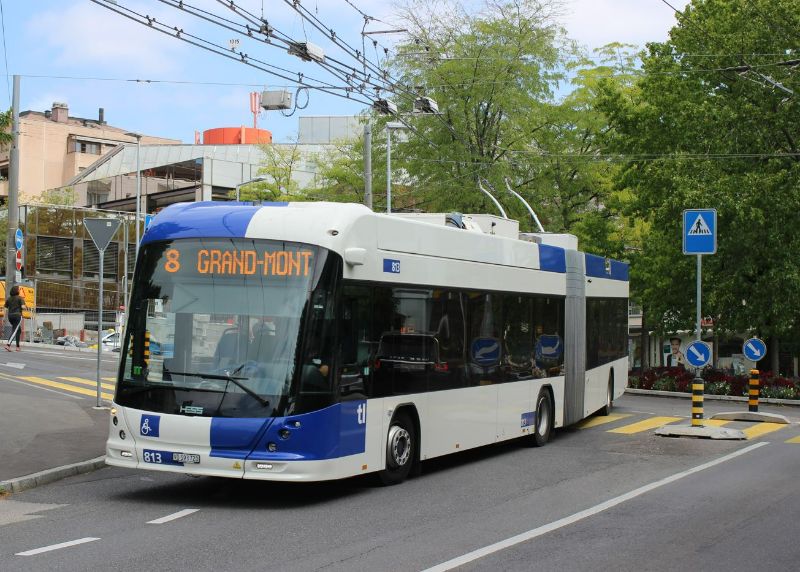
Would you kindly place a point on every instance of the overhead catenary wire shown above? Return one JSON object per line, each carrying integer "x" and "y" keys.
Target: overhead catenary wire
{"x": 235, "y": 55}
{"x": 5, "y": 51}
{"x": 342, "y": 70}
{"x": 766, "y": 79}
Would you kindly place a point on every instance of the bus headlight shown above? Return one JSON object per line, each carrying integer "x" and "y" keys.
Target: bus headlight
{"x": 272, "y": 447}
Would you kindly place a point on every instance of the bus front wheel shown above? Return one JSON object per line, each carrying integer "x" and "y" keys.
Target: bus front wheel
{"x": 544, "y": 419}
{"x": 606, "y": 409}
{"x": 400, "y": 443}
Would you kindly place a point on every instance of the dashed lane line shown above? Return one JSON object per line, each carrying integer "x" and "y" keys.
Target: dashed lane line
{"x": 601, "y": 420}
{"x": 174, "y": 516}
{"x": 762, "y": 429}
{"x": 66, "y": 387}
{"x": 90, "y": 382}
{"x": 645, "y": 425}
{"x": 58, "y": 546}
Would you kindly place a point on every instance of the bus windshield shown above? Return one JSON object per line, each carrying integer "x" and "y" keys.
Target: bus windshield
{"x": 216, "y": 328}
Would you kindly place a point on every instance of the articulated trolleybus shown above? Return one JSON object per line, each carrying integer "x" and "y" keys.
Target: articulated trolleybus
{"x": 315, "y": 341}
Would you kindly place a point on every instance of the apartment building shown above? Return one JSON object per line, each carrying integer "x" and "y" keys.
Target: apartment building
{"x": 55, "y": 147}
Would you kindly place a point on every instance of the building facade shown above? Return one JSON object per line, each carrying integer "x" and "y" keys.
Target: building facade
{"x": 55, "y": 147}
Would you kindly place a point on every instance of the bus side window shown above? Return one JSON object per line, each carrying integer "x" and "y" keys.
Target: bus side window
{"x": 355, "y": 345}
{"x": 447, "y": 326}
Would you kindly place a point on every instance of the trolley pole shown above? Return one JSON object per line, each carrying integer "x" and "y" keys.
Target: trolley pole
{"x": 13, "y": 190}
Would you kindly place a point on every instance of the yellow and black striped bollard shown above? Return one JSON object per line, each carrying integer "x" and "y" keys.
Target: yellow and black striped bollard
{"x": 752, "y": 402}
{"x": 697, "y": 402}
{"x": 147, "y": 349}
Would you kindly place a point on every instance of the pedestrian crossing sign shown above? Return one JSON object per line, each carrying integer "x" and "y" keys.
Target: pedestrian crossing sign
{"x": 700, "y": 231}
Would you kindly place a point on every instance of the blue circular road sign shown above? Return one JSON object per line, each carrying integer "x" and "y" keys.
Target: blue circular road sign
{"x": 698, "y": 354}
{"x": 18, "y": 239}
{"x": 754, "y": 349}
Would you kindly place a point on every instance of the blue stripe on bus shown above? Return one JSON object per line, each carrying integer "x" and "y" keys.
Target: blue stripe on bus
{"x": 336, "y": 431}
{"x": 234, "y": 438}
{"x": 200, "y": 220}
{"x": 596, "y": 267}
{"x": 552, "y": 258}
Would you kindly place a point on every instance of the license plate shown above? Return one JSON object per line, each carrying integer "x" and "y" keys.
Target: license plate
{"x": 169, "y": 458}
{"x": 411, "y": 367}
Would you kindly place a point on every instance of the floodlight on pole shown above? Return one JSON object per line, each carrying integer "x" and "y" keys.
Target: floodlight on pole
{"x": 253, "y": 180}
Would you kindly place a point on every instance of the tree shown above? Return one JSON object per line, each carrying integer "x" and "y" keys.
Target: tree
{"x": 495, "y": 75}
{"x": 280, "y": 165}
{"x": 62, "y": 196}
{"x": 713, "y": 123}
{"x": 6, "y": 137}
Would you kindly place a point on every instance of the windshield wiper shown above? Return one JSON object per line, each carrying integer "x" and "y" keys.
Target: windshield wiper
{"x": 237, "y": 381}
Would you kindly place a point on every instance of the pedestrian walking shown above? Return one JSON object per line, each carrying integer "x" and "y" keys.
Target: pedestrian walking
{"x": 14, "y": 304}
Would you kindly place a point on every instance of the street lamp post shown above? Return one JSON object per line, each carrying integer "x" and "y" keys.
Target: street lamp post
{"x": 253, "y": 180}
{"x": 389, "y": 127}
{"x": 138, "y": 186}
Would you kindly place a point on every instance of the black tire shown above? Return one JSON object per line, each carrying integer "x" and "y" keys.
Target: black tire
{"x": 401, "y": 443}
{"x": 544, "y": 419}
{"x": 606, "y": 409}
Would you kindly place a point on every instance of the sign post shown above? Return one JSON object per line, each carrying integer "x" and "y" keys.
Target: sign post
{"x": 101, "y": 230}
{"x": 699, "y": 238}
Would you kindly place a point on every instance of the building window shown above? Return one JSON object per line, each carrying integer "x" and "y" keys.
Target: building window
{"x": 91, "y": 260}
{"x": 54, "y": 255}
{"x": 87, "y": 147}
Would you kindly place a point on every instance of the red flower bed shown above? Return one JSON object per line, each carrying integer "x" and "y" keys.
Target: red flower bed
{"x": 716, "y": 382}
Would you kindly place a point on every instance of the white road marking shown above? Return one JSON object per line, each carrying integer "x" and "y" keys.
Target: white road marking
{"x": 88, "y": 354}
{"x": 57, "y": 546}
{"x": 14, "y": 365}
{"x": 174, "y": 516}
{"x": 40, "y": 387}
{"x": 566, "y": 521}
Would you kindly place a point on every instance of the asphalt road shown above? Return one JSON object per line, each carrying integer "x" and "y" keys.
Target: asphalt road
{"x": 591, "y": 499}
{"x": 46, "y": 391}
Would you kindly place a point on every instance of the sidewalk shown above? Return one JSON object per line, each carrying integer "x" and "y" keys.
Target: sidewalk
{"x": 43, "y": 428}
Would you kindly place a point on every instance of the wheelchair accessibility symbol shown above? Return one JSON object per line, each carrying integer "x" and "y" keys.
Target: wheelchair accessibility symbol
{"x": 149, "y": 425}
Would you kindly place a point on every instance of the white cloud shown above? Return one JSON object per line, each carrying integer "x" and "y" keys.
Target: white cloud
{"x": 595, "y": 23}
{"x": 86, "y": 35}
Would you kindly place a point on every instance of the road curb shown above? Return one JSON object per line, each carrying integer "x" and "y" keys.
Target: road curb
{"x": 656, "y": 393}
{"x": 47, "y": 476}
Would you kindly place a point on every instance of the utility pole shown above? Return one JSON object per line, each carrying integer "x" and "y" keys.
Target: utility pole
{"x": 368, "y": 164}
{"x": 13, "y": 191}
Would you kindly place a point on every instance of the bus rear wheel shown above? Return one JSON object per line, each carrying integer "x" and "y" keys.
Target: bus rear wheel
{"x": 544, "y": 419}
{"x": 401, "y": 442}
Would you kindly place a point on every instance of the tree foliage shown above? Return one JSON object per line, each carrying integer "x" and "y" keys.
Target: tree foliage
{"x": 713, "y": 122}
{"x": 279, "y": 168}
{"x": 498, "y": 75}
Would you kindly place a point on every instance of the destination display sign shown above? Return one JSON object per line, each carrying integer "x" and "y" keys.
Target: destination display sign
{"x": 248, "y": 259}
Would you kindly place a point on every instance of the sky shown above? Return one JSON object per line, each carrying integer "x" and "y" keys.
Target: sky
{"x": 66, "y": 42}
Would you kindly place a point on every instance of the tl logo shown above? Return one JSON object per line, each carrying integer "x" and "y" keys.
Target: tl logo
{"x": 362, "y": 413}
